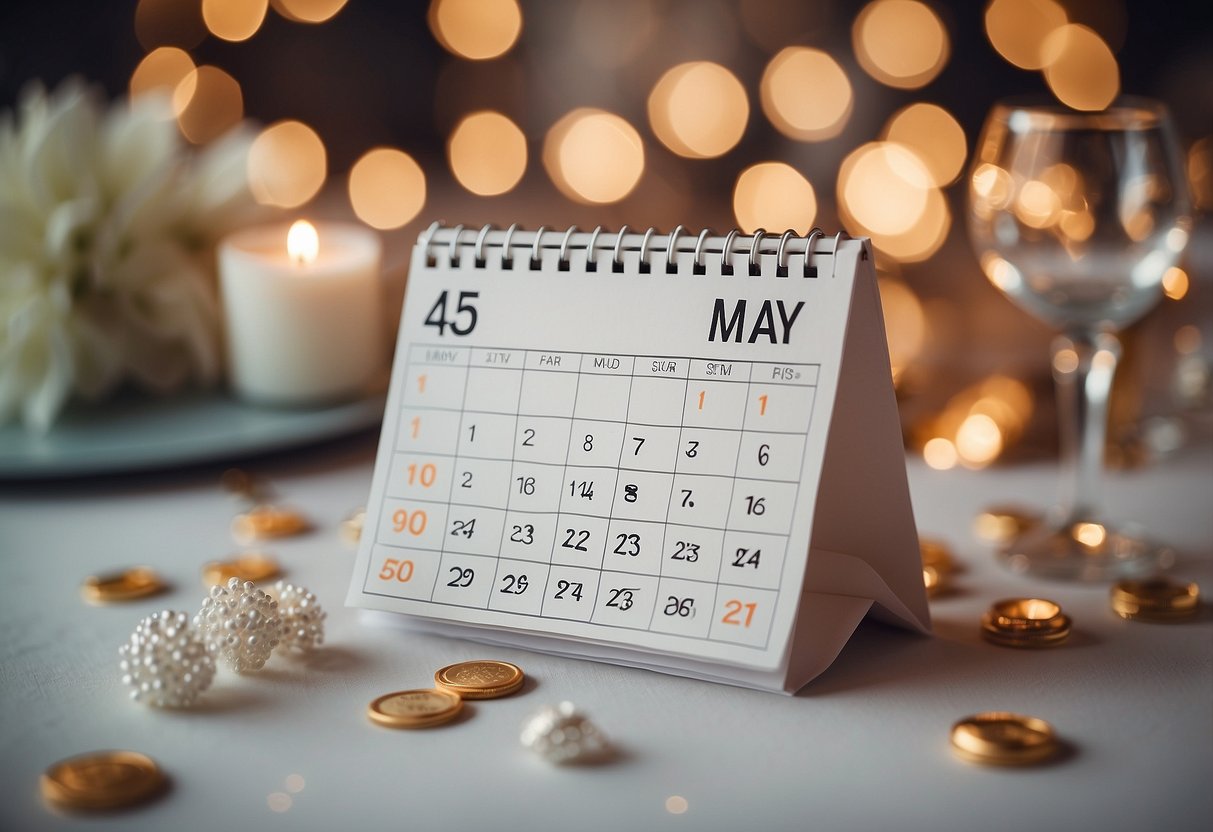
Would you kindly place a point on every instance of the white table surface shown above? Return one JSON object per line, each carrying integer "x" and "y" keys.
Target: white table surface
{"x": 864, "y": 747}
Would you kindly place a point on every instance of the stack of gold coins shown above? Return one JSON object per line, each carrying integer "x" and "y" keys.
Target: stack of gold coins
{"x": 483, "y": 679}
{"x": 250, "y": 566}
{"x": 1025, "y": 622}
{"x": 1005, "y": 739}
{"x": 415, "y": 708}
{"x": 102, "y": 780}
{"x": 127, "y": 585}
{"x": 1155, "y": 599}
{"x": 480, "y": 679}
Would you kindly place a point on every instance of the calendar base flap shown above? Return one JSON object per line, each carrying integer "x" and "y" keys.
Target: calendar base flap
{"x": 863, "y": 503}
{"x": 825, "y": 624}
{"x": 836, "y": 574}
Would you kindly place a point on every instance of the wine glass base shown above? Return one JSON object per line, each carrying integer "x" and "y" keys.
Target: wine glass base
{"x": 1084, "y": 551}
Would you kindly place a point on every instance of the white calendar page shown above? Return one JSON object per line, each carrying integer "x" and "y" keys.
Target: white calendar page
{"x": 627, "y": 459}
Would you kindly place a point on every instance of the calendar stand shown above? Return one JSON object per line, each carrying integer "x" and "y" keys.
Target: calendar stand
{"x": 679, "y": 457}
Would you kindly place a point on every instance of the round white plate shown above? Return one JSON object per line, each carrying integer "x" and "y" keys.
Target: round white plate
{"x": 138, "y": 433}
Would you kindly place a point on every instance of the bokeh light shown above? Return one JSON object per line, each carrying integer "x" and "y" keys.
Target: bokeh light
{"x": 884, "y": 187}
{"x": 1001, "y": 274}
{"x": 774, "y": 196}
{"x": 308, "y": 11}
{"x": 1090, "y": 535}
{"x": 805, "y": 94}
{"x": 234, "y": 20}
{"x": 925, "y": 237}
{"x": 905, "y": 324}
{"x": 476, "y": 29}
{"x": 286, "y": 164}
{"x": 487, "y": 153}
{"x": 1175, "y": 283}
{"x": 699, "y": 110}
{"x": 934, "y": 135}
{"x": 886, "y": 192}
{"x": 1200, "y": 172}
{"x": 939, "y": 453}
{"x": 386, "y": 188}
{"x": 978, "y": 424}
{"x": 1017, "y": 29}
{"x": 593, "y": 156}
{"x": 979, "y": 440}
{"x": 169, "y": 23}
{"x": 169, "y": 71}
{"x": 901, "y": 43}
{"x": 215, "y": 106}
{"x": 1080, "y": 69}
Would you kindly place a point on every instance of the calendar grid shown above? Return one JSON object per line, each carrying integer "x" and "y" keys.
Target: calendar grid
{"x": 509, "y": 494}
{"x": 552, "y": 552}
{"x": 451, "y": 488}
{"x": 686, "y": 389}
{"x": 655, "y": 579}
{"x": 603, "y": 467}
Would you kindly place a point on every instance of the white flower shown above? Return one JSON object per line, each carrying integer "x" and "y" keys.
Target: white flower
{"x": 107, "y": 231}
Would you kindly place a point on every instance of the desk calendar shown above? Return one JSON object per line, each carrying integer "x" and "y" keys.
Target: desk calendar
{"x": 674, "y": 452}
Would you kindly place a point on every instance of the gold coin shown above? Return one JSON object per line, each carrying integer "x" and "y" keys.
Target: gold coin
{"x": 250, "y": 566}
{"x": 1025, "y": 622}
{"x": 936, "y": 554}
{"x": 415, "y": 708}
{"x": 1156, "y": 599}
{"x": 102, "y": 780}
{"x": 1002, "y": 524}
{"x": 267, "y": 521}
{"x": 482, "y": 679}
{"x": 1005, "y": 739}
{"x": 139, "y": 582}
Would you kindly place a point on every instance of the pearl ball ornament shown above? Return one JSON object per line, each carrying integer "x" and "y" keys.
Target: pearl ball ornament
{"x": 165, "y": 663}
{"x": 562, "y": 734}
{"x": 239, "y": 624}
{"x": 302, "y": 617}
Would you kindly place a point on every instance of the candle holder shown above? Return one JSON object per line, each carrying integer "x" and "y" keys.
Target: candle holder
{"x": 302, "y": 311}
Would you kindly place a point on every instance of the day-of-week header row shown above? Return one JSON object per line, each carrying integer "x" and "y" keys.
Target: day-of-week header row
{"x": 608, "y": 364}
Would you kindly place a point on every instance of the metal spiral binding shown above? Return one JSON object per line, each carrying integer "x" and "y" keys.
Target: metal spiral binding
{"x": 648, "y": 253}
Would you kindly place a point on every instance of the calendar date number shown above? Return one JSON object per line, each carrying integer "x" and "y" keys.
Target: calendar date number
{"x": 461, "y": 321}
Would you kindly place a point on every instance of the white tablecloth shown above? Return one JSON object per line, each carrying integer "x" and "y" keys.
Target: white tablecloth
{"x": 864, "y": 747}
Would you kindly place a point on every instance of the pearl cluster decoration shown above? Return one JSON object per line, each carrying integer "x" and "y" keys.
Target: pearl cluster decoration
{"x": 239, "y": 624}
{"x": 165, "y": 663}
{"x": 562, "y": 734}
{"x": 302, "y": 617}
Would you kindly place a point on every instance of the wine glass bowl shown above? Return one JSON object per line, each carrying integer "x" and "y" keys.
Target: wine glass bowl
{"x": 1076, "y": 218}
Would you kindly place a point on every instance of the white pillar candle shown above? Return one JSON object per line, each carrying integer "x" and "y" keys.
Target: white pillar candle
{"x": 303, "y": 323}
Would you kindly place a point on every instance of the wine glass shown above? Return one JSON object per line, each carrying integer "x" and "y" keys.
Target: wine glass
{"x": 1076, "y": 216}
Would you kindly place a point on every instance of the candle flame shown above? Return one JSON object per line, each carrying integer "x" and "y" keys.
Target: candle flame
{"x": 302, "y": 242}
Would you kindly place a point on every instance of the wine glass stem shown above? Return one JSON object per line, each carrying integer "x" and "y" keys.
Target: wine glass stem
{"x": 1084, "y": 364}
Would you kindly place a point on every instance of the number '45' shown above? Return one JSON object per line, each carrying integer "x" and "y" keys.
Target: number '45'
{"x": 438, "y": 315}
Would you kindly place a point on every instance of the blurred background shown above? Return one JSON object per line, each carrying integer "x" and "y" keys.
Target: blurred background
{"x": 859, "y": 116}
